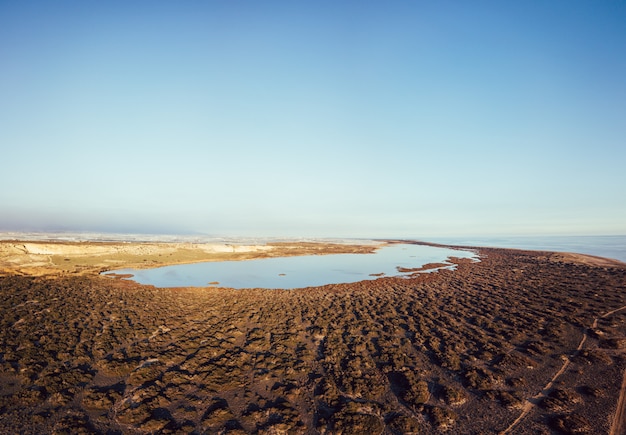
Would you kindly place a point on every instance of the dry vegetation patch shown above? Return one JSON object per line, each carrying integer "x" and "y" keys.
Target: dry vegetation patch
{"x": 37, "y": 258}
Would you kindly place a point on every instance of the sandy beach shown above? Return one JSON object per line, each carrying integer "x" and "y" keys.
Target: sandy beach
{"x": 522, "y": 342}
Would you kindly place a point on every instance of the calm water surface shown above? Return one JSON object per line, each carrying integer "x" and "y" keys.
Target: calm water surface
{"x": 602, "y": 246}
{"x": 296, "y": 272}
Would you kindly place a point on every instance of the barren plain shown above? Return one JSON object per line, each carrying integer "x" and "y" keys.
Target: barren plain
{"x": 522, "y": 342}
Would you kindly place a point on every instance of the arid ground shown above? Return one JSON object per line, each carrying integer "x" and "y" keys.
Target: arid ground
{"x": 63, "y": 258}
{"x": 520, "y": 342}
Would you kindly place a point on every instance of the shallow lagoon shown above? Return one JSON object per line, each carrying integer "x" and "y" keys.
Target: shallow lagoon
{"x": 297, "y": 272}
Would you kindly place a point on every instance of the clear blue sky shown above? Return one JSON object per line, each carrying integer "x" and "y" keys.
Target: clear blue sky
{"x": 314, "y": 118}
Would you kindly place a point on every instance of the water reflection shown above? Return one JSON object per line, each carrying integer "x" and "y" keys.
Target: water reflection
{"x": 297, "y": 272}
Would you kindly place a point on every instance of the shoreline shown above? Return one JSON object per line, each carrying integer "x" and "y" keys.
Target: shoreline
{"x": 522, "y": 339}
{"x": 572, "y": 257}
{"x": 61, "y": 257}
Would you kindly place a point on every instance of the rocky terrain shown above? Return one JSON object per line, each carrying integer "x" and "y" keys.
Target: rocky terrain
{"x": 520, "y": 342}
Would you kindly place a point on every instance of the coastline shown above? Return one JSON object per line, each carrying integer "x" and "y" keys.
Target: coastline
{"x": 604, "y": 246}
{"x": 531, "y": 338}
{"x": 54, "y": 257}
{"x": 568, "y": 257}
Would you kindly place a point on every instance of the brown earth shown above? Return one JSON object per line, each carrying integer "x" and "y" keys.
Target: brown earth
{"x": 520, "y": 342}
{"x": 38, "y": 258}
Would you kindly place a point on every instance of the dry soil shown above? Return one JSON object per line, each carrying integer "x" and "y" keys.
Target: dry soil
{"x": 520, "y": 342}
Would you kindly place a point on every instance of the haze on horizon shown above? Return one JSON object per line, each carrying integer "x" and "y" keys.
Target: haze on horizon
{"x": 357, "y": 119}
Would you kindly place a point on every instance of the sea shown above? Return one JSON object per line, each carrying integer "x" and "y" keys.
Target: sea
{"x": 613, "y": 247}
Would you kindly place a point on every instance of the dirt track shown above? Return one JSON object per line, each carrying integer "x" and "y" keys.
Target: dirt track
{"x": 617, "y": 426}
{"x": 619, "y": 421}
{"x": 458, "y": 351}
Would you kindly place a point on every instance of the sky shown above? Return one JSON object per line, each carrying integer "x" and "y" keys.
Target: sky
{"x": 314, "y": 118}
